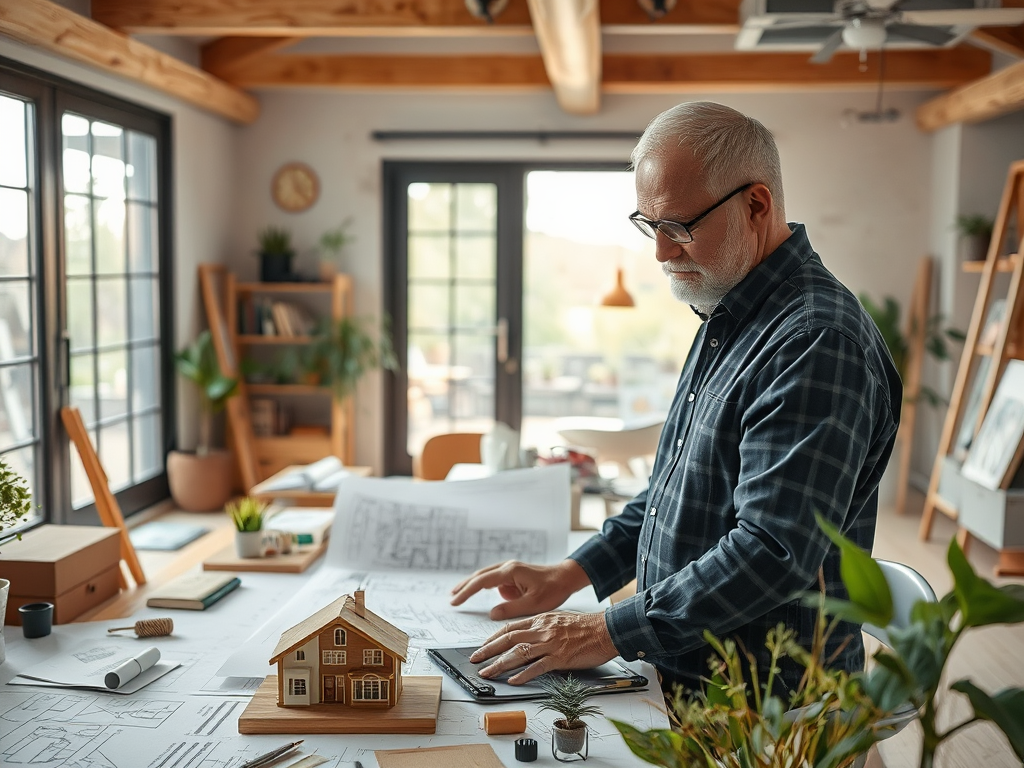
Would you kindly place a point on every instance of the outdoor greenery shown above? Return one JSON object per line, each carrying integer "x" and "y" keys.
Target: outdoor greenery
{"x": 15, "y": 499}
{"x": 343, "y": 351}
{"x": 198, "y": 363}
{"x": 568, "y": 697}
{"x": 887, "y": 318}
{"x": 246, "y": 513}
{"x": 275, "y": 240}
{"x": 833, "y": 717}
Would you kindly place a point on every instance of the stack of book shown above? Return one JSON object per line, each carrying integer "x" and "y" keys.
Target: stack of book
{"x": 264, "y": 317}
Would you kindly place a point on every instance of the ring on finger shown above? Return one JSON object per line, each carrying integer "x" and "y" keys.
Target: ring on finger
{"x": 523, "y": 649}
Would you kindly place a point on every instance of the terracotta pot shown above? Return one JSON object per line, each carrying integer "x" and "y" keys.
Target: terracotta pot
{"x": 200, "y": 483}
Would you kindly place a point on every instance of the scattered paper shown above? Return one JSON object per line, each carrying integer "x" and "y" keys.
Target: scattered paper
{"x": 87, "y": 667}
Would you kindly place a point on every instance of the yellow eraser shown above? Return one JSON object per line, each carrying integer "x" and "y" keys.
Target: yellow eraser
{"x": 496, "y": 723}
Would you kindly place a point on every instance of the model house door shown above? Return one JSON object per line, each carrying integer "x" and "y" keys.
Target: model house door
{"x": 329, "y": 690}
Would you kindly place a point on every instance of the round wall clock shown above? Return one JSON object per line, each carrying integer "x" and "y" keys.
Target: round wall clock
{"x": 295, "y": 187}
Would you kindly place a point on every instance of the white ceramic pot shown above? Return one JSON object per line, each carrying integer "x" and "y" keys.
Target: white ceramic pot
{"x": 5, "y": 589}
{"x": 249, "y": 543}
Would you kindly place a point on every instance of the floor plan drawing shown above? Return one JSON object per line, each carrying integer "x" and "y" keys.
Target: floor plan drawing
{"x": 83, "y": 709}
{"x": 216, "y": 715}
{"x": 388, "y": 534}
{"x": 56, "y": 746}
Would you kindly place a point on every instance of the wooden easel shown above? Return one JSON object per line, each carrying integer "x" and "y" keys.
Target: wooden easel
{"x": 1008, "y": 344}
{"x": 107, "y": 507}
{"x": 916, "y": 333}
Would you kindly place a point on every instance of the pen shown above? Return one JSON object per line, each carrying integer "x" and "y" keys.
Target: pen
{"x": 132, "y": 668}
{"x": 271, "y": 755}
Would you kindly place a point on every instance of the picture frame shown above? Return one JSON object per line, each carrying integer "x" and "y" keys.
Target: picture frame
{"x": 997, "y": 449}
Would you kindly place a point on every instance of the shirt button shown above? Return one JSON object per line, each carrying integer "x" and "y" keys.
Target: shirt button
{"x": 713, "y": 342}
{"x": 679, "y": 443}
{"x": 643, "y": 559}
{"x": 654, "y": 511}
{"x": 691, "y": 397}
{"x": 640, "y": 654}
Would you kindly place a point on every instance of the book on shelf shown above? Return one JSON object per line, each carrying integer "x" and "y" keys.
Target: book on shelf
{"x": 194, "y": 591}
{"x": 261, "y": 316}
{"x": 263, "y": 412}
{"x": 321, "y": 476}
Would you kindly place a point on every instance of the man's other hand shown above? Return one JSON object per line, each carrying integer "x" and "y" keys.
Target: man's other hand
{"x": 526, "y": 589}
{"x": 545, "y": 643}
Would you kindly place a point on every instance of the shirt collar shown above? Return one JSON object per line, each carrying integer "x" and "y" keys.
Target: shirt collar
{"x": 751, "y": 292}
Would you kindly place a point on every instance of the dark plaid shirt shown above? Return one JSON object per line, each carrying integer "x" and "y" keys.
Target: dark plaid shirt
{"x": 788, "y": 404}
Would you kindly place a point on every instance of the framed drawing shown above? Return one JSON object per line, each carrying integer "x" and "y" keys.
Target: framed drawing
{"x": 996, "y": 451}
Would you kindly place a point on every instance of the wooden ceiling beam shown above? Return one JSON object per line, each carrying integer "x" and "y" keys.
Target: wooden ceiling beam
{"x": 223, "y": 56}
{"x": 330, "y": 18}
{"x": 623, "y": 73}
{"x": 997, "y": 94}
{"x": 569, "y": 34}
{"x": 52, "y": 27}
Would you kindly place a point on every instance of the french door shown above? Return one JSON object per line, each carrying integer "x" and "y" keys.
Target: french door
{"x": 89, "y": 321}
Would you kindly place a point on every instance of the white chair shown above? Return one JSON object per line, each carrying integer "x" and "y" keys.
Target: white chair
{"x": 612, "y": 439}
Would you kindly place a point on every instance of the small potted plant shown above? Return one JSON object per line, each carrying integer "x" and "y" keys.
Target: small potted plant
{"x": 976, "y": 233}
{"x": 568, "y": 697}
{"x": 332, "y": 246}
{"x": 15, "y": 504}
{"x": 342, "y": 352}
{"x": 202, "y": 480}
{"x": 276, "y": 255}
{"x": 247, "y": 514}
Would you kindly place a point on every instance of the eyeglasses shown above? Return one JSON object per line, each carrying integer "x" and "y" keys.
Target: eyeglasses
{"x": 677, "y": 231}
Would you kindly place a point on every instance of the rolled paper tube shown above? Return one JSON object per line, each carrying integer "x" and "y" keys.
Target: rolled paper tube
{"x": 513, "y": 721}
{"x": 132, "y": 668}
{"x": 149, "y": 627}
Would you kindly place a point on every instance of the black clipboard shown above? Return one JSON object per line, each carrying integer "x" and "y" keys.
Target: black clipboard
{"x": 607, "y": 678}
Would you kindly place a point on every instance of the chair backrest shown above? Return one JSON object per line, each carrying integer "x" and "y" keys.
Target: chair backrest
{"x": 441, "y": 452}
{"x": 107, "y": 508}
{"x": 907, "y": 587}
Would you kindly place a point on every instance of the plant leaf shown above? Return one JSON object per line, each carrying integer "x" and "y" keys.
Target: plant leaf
{"x": 889, "y": 683}
{"x": 1005, "y": 709}
{"x": 922, "y": 649}
{"x": 980, "y": 602}
{"x": 658, "y": 746}
{"x": 865, "y": 583}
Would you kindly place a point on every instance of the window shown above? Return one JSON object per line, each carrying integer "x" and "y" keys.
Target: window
{"x": 296, "y": 686}
{"x": 335, "y": 657}
{"x": 370, "y": 688}
{"x": 300, "y": 655}
{"x": 85, "y": 308}
{"x": 373, "y": 657}
{"x": 340, "y": 637}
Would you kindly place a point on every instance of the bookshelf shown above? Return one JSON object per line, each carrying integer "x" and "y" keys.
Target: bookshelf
{"x": 265, "y": 321}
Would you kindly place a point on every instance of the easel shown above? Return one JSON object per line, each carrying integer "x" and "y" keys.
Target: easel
{"x": 1007, "y": 344}
{"x": 916, "y": 333}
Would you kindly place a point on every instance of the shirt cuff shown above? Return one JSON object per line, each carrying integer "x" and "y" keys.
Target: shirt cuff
{"x": 631, "y": 632}
{"x": 602, "y": 564}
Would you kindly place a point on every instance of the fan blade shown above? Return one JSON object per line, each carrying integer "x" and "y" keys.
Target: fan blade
{"x": 967, "y": 17}
{"x": 930, "y": 35}
{"x": 824, "y": 54}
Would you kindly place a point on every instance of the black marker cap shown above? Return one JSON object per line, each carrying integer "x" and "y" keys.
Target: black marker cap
{"x": 526, "y": 750}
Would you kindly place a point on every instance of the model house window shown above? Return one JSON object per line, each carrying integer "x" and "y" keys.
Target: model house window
{"x": 300, "y": 655}
{"x": 335, "y": 657}
{"x": 369, "y": 689}
{"x": 297, "y": 687}
{"x": 339, "y": 637}
{"x": 373, "y": 657}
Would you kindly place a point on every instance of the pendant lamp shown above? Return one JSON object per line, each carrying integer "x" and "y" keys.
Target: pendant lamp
{"x": 618, "y": 296}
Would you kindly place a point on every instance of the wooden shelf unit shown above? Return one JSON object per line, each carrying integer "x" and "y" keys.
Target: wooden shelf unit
{"x": 275, "y": 452}
{"x": 1002, "y": 264}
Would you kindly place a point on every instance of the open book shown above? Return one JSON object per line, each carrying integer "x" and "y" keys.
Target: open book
{"x": 323, "y": 476}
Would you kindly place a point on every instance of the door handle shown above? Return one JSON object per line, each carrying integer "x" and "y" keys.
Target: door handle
{"x": 501, "y": 331}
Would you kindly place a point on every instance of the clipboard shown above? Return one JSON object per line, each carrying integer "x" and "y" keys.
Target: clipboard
{"x": 611, "y": 677}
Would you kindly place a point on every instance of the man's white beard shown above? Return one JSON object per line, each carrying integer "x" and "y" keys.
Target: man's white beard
{"x": 718, "y": 276}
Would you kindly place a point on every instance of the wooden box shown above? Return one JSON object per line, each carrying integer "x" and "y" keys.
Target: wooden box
{"x": 75, "y": 567}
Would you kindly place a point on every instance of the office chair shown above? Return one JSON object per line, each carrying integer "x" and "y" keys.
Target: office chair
{"x": 441, "y": 452}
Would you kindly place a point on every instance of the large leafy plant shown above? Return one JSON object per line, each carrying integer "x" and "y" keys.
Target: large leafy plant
{"x": 832, "y": 717}
{"x": 341, "y": 353}
{"x": 198, "y": 363}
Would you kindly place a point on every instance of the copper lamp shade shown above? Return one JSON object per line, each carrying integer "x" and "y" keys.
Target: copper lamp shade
{"x": 618, "y": 296}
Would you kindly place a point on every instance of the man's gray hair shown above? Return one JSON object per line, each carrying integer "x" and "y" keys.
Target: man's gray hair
{"x": 731, "y": 147}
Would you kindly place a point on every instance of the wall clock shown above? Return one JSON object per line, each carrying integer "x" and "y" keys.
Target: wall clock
{"x": 295, "y": 187}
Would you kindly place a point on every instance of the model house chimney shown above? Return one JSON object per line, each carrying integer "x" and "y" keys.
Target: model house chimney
{"x": 360, "y": 608}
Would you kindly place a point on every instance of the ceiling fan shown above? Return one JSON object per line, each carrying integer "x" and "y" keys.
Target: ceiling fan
{"x": 826, "y": 25}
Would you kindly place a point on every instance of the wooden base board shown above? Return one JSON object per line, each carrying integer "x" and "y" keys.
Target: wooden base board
{"x": 293, "y": 562}
{"x": 415, "y": 712}
{"x": 1011, "y": 563}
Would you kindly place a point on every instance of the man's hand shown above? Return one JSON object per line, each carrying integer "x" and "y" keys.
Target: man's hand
{"x": 527, "y": 589}
{"x": 547, "y": 642}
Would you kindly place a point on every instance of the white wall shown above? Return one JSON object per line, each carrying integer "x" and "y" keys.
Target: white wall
{"x": 204, "y": 194}
{"x": 862, "y": 190}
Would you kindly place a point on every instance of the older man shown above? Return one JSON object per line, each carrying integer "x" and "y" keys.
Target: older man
{"x": 787, "y": 405}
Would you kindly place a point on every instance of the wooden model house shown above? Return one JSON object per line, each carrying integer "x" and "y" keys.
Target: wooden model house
{"x": 342, "y": 654}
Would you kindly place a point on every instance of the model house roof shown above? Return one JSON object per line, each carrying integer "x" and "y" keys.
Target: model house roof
{"x": 345, "y": 609}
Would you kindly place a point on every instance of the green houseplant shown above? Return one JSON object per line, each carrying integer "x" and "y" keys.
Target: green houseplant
{"x": 331, "y": 247}
{"x": 834, "y": 717}
{"x": 202, "y": 480}
{"x": 248, "y": 516}
{"x": 15, "y": 505}
{"x": 568, "y": 697}
{"x": 975, "y": 233}
{"x": 343, "y": 351}
{"x": 276, "y": 254}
